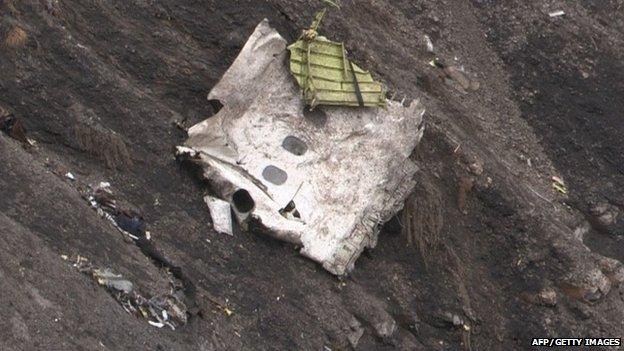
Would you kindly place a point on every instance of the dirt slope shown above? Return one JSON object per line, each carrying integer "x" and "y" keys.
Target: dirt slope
{"x": 496, "y": 256}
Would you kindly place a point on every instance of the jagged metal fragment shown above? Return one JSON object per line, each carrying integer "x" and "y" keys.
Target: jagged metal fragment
{"x": 220, "y": 213}
{"x": 323, "y": 179}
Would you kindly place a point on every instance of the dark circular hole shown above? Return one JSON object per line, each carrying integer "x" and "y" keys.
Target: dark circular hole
{"x": 317, "y": 116}
{"x": 216, "y": 106}
{"x": 243, "y": 201}
{"x": 294, "y": 145}
{"x": 275, "y": 175}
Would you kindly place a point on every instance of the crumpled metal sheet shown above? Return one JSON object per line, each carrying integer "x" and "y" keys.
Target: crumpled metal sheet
{"x": 323, "y": 179}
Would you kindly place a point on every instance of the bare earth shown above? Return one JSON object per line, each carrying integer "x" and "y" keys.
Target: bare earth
{"x": 495, "y": 256}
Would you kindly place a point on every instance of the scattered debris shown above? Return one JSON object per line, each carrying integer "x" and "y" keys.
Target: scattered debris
{"x": 359, "y": 157}
{"x": 559, "y": 185}
{"x": 326, "y": 76}
{"x": 556, "y": 14}
{"x": 180, "y": 125}
{"x": 129, "y": 222}
{"x": 161, "y": 310}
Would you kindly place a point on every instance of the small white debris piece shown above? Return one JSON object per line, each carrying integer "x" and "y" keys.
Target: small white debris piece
{"x": 220, "y": 213}
{"x": 156, "y": 324}
{"x": 428, "y": 43}
{"x": 556, "y": 13}
{"x": 70, "y": 176}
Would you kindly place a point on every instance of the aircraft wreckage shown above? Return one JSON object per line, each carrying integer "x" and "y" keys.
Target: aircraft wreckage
{"x": 306, "y": 147}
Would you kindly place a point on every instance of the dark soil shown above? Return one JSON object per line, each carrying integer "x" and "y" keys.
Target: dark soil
{"x": 102, "y": 86}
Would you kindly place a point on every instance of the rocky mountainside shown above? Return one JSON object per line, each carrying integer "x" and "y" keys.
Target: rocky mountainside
{"x": 490, "y": 251}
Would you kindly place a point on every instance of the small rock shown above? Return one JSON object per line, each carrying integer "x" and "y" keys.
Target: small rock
{"x": 355, "y": 332}
{"x": 608, "y": 265}
{"x": 451, "y": 320}
{"x": 548, "y": 297}
{"x": 605, "y": 214}
{"x": 593, "y": 296}
{"x": 385, "y": 329}
{"x": 617, "y": 276}
{"x": 588, "y": 285}
{"x": 476, "y": 168}
{"x": 456, "y": 74}
{"x": 581, "y": 231}
{"x": 613, "y": 269}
